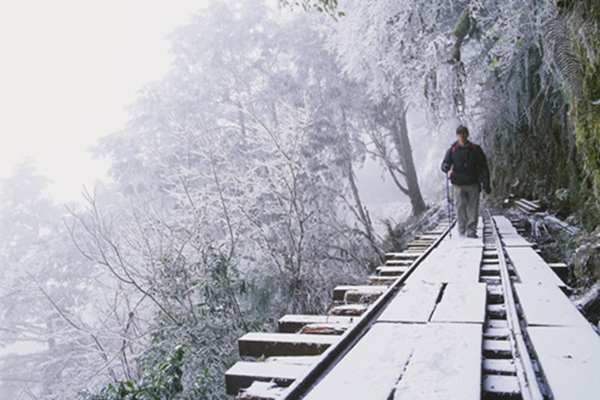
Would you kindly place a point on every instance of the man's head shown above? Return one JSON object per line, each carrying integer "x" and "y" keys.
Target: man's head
{"x": 462, "y": 134}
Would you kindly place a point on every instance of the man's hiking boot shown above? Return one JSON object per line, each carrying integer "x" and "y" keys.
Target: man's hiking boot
{"x": 472, "y": 235}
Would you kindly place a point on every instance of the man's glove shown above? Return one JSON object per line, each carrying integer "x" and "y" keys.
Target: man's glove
{"x": 487, "y": 189}
{"x": 445, "y": 167}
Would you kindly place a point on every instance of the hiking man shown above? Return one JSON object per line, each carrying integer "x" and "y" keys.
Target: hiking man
{"x": 469, "y": 175}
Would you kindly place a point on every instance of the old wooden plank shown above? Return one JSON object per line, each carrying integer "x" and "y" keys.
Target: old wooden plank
{"x": 495, "y": 366}
{"x": 243, "y": 373}
{"x": 340, "y": 291}
{"x": 462, "y": 303}
{"x": 526, "y": 206}
{"x": 399, "y": 263}
{"x": 293, "y": 323}
{"x": 504, "y": 225}
{"x": 497, "y": 348}
{"x": 501, "y": 385}
{"x": 570, "y": 359}
{"x": 446, "y": 364}
{"x": 531, "y": 268}
{"x": 324, "y": 329}
{"x": 391, "y": 271}
{"x": 414, "y": 303}
{"x": 450, "y": 262}
{"x": 417, "y": 247}
{"x": 261, "y": 391}
{"x": 258, "y": 344}
{"x": 490, "y": 269}
{"x": 363, "y": 296}
{"x": 405, "y": 255}
{"x": 371, "y": 368}
{"x": 514, "y": 240}
{"x": 349, "y": 310}
{"x": 294, "y": 360}
{"x": 377, "y": 280}
{"x": 421, "y": 242}
{"x": 547, "y": 305}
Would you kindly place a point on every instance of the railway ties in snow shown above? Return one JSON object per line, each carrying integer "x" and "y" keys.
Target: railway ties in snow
{"x": 449, "y": 318}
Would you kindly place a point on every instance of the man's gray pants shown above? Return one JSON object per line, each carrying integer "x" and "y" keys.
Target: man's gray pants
{"x": 467, "y": 208}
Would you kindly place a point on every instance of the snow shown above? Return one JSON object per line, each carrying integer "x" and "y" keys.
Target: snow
{"x": 294, "y": 323}
{"x": 405, "y": 254}
{"x": 515, "y": 240}
{"x": 256, "y": 344}
{"x": 499, "y": 366}
{"x": 531, "y": 268}
{"x": 462, "y": 303}
{"x": 363, "y": 289}
{"x": 547, "y": 305}
{"x": 446, "y": 364}
{"x": 504, "y": 225}
{"x": 288, "y": 338}
{"x": 317, "y": 319}
{"x": 451, "y": 262}
{"x": 570, "y": 358}
{"x": 298, "y": 360}
{"x": 414, "y": 303}
{"x": 428, "y": 346}
{"x": 391, "y": 271}
{"x": 501, "y": 384}
{"x": 497, "y": 346}
{"x": 349, "y": 309}
{"x": 274, "y": 370}
{"x": 372, "y": 367}
{"x": 262, "y": 390}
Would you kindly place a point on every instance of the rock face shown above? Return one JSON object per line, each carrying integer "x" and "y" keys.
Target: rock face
{"x": 587, "y": 262}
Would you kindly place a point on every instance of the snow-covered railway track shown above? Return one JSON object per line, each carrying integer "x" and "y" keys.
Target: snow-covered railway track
{"x": 448, "y": 318}
{"x": 356, "y": 309}
{"x": 509, "y": 368}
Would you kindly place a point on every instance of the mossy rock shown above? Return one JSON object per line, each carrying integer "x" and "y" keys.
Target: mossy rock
{"x": 587, "y": 262}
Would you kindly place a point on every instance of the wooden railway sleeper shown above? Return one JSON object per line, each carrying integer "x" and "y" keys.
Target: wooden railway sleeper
{"x": 258, "y": 381}
{"x": 509, "y": 369}
{"x": 499, "y": 372}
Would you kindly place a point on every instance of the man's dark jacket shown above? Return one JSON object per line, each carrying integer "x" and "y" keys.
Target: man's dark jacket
{"x": 469, "y": 165}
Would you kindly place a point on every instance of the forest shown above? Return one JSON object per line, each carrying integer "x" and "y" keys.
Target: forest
{"x": 234, "y": 196}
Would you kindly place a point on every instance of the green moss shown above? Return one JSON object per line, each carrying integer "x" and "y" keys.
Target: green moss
{"x": 455, "y": 54}
{"x": 461, "y": 30}
{"x": 550, "y": 148}
{"x": 586, "y": 118}
{"x": 583, "y": 16}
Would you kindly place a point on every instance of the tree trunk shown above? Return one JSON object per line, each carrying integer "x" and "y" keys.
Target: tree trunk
{"x": 399, "y": 130}
{"x": 360, "y": 209}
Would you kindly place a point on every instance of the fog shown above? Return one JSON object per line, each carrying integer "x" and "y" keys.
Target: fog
{"x": 221, "y": 164}
{"x": 68, "y": 70}
{"x": 175, "y": 174}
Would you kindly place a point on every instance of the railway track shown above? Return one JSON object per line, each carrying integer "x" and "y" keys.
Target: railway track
{"x": 477, "y": 330}
{"x": 510, "y": 369}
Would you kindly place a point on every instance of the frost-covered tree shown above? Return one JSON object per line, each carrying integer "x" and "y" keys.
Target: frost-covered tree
{"x": 395, "y": 49}
{"x": 207, "y": 110}
{"x": 246, "y": 148}
{"x": 44, "y": 284}
{"x": 533, "y": 80}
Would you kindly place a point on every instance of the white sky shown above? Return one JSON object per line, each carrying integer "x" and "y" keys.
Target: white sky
{"x": 68, "y": 69}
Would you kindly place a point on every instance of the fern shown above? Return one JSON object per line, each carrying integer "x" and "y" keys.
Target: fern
{"x": 561, "y": 50}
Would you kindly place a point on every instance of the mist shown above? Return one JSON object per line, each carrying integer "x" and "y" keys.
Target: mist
{"x": 174, "y": 176}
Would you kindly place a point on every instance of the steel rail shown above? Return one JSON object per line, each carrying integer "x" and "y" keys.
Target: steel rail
{"x": 336, "y": 352}
{"x": 530, "y": 388}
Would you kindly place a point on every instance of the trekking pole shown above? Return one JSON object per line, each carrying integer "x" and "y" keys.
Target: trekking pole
{"x": 449, "y": 204}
